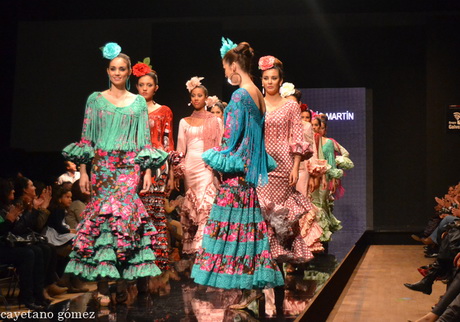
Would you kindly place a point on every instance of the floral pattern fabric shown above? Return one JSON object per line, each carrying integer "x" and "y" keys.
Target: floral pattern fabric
{"x": 116, "y": 237}
{"x": 235, "y": 252}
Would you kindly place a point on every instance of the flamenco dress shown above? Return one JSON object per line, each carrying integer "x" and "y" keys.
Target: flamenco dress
{"x": 115, "y": 239}
{"x": 161, "y": 134}
{"x": 235, "y": 252}
{"x": 282, "y": 205}
{"x": 322, "y": 197}
{"x": 198, "y": 181}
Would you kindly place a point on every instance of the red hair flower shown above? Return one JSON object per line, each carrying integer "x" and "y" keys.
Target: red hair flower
{"x": 141, "y": 69}
{"x": 266, "y": 62}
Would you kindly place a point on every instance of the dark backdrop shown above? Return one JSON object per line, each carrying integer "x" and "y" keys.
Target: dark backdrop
{"x": 407, "y": 54}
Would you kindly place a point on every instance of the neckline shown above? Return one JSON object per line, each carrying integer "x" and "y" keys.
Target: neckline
{"x": 135, "y": 99}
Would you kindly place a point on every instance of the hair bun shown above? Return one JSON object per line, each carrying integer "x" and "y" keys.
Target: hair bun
{"x": 244, "y": 49}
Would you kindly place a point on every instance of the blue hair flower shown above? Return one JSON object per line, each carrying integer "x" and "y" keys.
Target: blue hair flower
{"x": 227, "y": 45}
{"x": 111, "y": 50}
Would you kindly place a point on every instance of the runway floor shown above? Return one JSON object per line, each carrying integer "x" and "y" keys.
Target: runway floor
{"x": 375, "y": 291}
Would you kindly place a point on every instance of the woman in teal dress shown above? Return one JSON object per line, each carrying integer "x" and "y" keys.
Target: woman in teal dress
{"x": 114, "y": 240}
{"x": 323, "y": 196}
{"x": 235, "y": 253}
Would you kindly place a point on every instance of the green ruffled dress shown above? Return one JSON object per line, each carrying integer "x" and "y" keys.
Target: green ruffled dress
{"x": 115, "y": 238}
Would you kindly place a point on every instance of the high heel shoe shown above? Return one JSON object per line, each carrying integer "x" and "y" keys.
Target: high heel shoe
{"x": 254, "y": 295}
{"x": 30, "y": 305}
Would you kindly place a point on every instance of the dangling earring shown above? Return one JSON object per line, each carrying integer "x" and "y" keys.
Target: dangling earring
{"x": 128, "y": 84}
{"x": 235, "y": 79}
{"x": 263, "y": 90}
{"x": 110, "y": 83}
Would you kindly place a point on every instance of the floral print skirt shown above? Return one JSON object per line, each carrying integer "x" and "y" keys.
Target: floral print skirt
{"x": 235, "y": 252}
{"x": 154, "y": 202}
{"x": 116, "y": 237}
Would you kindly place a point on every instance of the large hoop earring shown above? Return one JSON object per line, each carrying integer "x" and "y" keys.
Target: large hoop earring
{"x": 128, "y": 84}
{"x": 235, "y": 79}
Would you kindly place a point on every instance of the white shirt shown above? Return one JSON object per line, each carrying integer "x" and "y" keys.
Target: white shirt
{"x": 67, "y": 177}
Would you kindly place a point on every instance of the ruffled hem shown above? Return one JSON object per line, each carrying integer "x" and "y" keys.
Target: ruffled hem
{"x": 311, "y": 231}
{"x": 329, "y": 224}
{"x": 298, "y": 251}
{"x": 301, "y": 148}
{"x": 284, "y": 218}
{"x": 151, "y": 158}
{"x": 79, "y": 153}
{"x": 241, "y": 272}
{"x": 317, "y": 167}
{"x": 194, "y": 214}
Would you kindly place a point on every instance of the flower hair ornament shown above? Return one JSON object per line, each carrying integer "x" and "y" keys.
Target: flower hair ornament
{"x": 211, "y": 101}
{"x": 193, "y": 82}
{"x": 266, "y": 62}
{"x": 227, "y": 45}
{"x": 287, "y": 89}
{"x": 110, "y": 50}
{"x": 142, "y": 68}
{"x": 303, "y": 107}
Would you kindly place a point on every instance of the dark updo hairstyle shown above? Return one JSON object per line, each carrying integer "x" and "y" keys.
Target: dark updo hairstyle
{"x": 203, "y": 88}
{"x": 298, "y": 96}
{"x": 221, "y": 105}
{"x": 125, "y": 58}
{"x": 241, "y": 54}
{"x": 152, "y": 74}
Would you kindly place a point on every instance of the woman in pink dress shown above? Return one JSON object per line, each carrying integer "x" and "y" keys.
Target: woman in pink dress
{"x": 283, "y": 206}
{"x": 197, "y": 133}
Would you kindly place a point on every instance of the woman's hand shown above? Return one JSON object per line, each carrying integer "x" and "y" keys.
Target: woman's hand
{"x": 147, "y": 181}
{"x": 293, "y": 177}
{"x": 14, "y": 213}
{"x": 44, "y": 200}
{"x": 84, "y": 180}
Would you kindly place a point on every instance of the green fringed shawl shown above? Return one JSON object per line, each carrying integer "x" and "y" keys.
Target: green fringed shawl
{"x": 112, "y": 128}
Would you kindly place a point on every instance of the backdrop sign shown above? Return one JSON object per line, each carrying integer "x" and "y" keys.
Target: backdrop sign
{"x": 453, "y": 119}
{"x": 346, "y": 111}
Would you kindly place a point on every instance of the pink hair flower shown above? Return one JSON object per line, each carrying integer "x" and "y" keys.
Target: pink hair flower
{"x": 211, "y": 101}
{"x": 266, "y": 62}
{"x": 193, "y": 82}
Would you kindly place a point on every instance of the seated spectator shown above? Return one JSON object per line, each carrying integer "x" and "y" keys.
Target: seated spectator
{"x": 28, "y": 260}
{"x": 33, "y": 218}
{"x": 71, "y": 175}
{"x": 75, "y": 212}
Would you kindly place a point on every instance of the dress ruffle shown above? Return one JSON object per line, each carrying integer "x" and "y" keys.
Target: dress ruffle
{"x": 286, "y": 223}
{"x": 101, "y": 251}
{"x": 230, "y": 164}
{"x": 301, "y": 148}
{"x": 176, "y": 160}
{"x": 79, "y": 153}
{"x": 151, "y": 158}
{"x": 194, "y": 214}
{"x": 317, "y": 167}
{"x": 344, "y": 162}
{"x": 334, "y": 174}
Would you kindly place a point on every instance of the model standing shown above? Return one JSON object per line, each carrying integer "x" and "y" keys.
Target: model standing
{"x": 197, "y": 133}
{"x": 161, "y": 135}
{"x": 236, "y": 251}
{"x": 114, "y": 239}
{"x": 282, "y": 204}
